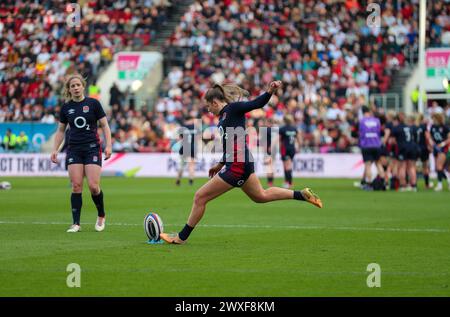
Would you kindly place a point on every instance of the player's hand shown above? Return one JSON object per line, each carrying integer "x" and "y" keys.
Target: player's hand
{"x": 214, "y": 170}
{"x": 108, "y": 151}
{"x": 54, "y": 157}
{"x": 273, "y": 86}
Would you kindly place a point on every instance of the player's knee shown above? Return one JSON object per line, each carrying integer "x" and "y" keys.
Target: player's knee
{"x": 94, "y": 188}
{"x": 199, "y": 199}
{"x": 260, "y": 198}
{"x": 77, "y": 187}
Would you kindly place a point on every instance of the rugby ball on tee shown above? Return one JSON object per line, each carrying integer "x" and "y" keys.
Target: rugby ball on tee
{"x": 153, "y": 226}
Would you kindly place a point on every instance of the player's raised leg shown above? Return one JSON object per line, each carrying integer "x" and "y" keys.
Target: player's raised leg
{"x": 257, "y": 193}
{"x": 93, "y": 172}
{"x": 212, "y": 189}
{"x": 76, "y": 173}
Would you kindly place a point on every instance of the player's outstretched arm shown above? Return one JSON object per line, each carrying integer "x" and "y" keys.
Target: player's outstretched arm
{"x": 259, "y": 102}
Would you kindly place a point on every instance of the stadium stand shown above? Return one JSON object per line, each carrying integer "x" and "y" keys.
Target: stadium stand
{"x": 38, "y": 48}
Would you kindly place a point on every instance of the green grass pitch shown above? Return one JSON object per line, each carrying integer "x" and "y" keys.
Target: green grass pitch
{"x": 240, "y": 248}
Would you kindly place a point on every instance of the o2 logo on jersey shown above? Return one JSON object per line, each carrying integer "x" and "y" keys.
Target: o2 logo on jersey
{"x": 240, "y": 182}
{"x": 437, "y": 136}
{"x": 82, "y": 124}
{"x": 222, "y": 134}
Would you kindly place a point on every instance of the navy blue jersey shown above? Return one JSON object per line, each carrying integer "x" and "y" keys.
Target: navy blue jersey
{"x": 420, "y": 135}
{"x": 404, "y": 134}
{"x": 288, "y": 134}
{"x": 82, "y": 118}
{"x": 389, "y": 125}
{"x": 189, "y": 133}
{"x": 232, "y": 128}
{"x": 439, "y": 133}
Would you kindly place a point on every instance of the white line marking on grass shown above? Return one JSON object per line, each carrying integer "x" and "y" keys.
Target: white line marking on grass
{"x": 433, "y": 230}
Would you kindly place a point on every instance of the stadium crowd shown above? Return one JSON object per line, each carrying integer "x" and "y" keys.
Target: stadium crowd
{"x": 39, "y": 47}
{"x": 324, "y": 52}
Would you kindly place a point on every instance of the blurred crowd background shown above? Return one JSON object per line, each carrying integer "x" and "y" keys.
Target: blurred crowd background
{"x": 329, "y": 60}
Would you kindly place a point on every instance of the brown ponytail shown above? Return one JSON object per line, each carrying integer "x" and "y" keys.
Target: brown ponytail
{"x": 228, "y": 93}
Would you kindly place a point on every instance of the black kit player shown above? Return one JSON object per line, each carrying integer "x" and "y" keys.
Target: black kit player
{"x": 440, "y": 142}
{"x": 289, "y": 136}
{"x": 423, "y": 138}
{"x": 268, "y": 148}
{"x": 236, "y": 169}
{"x": 384, "y": 154}
{"x": 188, "y": 150}
{"x": 392, "y": 150}
{"x": 404, "y": 134}
{"x": 84, "y": 152}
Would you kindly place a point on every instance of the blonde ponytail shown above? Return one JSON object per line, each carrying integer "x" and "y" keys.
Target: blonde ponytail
{"x": 234, "y": 92}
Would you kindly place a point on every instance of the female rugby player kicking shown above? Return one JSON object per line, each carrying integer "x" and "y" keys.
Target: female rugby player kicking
{"x": 236, "y": 169}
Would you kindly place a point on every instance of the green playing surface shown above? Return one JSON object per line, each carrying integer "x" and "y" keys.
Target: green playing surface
{"x": 240, "y": 248}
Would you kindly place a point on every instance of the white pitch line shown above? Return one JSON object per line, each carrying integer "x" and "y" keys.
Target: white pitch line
{"x": 433, "y": 230}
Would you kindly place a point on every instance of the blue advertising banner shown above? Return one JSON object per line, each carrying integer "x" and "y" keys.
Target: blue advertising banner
{"x": 38, "y": 133}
